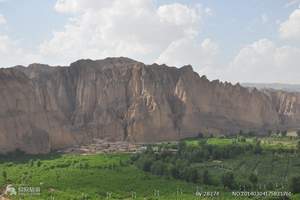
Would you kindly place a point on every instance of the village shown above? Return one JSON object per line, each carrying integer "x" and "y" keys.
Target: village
{"x": 105, "y": 146}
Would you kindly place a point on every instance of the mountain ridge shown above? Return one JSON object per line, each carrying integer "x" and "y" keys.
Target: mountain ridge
{"x": 47, "y": 108}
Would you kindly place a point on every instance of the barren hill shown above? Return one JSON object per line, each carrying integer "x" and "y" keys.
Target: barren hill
{"x": 45, "y": 108}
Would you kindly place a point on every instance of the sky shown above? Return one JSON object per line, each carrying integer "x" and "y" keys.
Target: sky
{"x": 232, "y": 40}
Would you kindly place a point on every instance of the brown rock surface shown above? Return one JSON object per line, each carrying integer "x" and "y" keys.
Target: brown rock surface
{"x": 45, "y": 108}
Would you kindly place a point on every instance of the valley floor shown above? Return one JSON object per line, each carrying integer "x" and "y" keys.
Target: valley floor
{"x": 114, "y": 176}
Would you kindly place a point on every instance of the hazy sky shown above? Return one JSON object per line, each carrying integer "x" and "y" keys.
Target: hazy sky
{"x": 233, "y": 40}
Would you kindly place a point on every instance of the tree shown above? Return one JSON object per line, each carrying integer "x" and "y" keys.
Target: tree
{"x": 270, "y": 186}
{"x": 277, "y": 132}
{"x": 175, "y": 171}
{"x": 157, "y": 168}
{"x": 241, "y": 133}
{"x": 149, "y": 149}
{"x": 257, "y": 148}
{"x": 298, "y": 133}
{"x": 251, "y": 133}
{"x": 202, "y": 142}
{"x": 270, "y": 132}
{"x": 284, "y": 133}
{"x": 181, "y": 146}
{"x": 295, "y": 184}
{"x": 253, "y": 179}
{"x": 200, "y": 135}
{"x": 242, "y": 139}
{"x": 228, "y": 180}
{"x": 205, "y": 178}
{"x": 146, "y": 166}
{"x": 38, "y": 163}
{"x": 298, "y": 146}
{"x": 144, "y": 162}
{"x": 191, "y": 174}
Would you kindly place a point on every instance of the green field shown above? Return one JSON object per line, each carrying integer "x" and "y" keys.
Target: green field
{"x": 114, "y": 176}
{"x": 272, "y": 161}
{"x": 87, "y": 177}
{"x": 266, "y": 142}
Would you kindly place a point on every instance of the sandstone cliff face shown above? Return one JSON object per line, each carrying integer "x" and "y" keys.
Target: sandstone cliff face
{"x": 46, "y": 108}
{"x": 287, "y": 105}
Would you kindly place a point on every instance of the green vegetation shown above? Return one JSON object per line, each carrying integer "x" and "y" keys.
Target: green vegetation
{"x": 91, "y": 177}
{"x": 295, "y": 184}
{"x": 228, "y": 180}
{"x": 298, "y": 133}
{"x": 168, "y": 170}
{"x": 253, "y": 179}
{"x": 4, "y": 176}
{"x": 238, "y": 163}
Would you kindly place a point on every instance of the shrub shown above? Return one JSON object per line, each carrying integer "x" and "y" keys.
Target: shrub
{"x": 206, "y": 178}
{"x": 191, "y": 174}
{"x": 295, "y": 184}
{"x": 228, "y": 180}
{"x": 200, "y": 135}
{"x": 245, "y": 185}
{"x": 157, "y": 168}
{"x": 145, "y": 163}
{"x": 38, "y": 163}
{"x": 284, "y": 133}
{"x": 253, "y": 179}
{"x": 257, "y": 148}
{"x": 31, "y": 163}
{"x": 4, "y": 175}
{"x": 270, "y": 186}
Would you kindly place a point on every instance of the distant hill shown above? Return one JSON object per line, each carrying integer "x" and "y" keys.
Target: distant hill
{"x": 276, "y": 86}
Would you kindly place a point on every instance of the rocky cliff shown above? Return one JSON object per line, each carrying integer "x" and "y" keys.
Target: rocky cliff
{"x": 45, "y": 108}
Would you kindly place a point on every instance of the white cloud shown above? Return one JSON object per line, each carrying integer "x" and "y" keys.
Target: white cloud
{"x": 292, "y": 3}
{"x": 202, "y": 55}
{"x": 133, "y": 28}
{"x": 12, "y": 54}
{"x": 290, "y": 29}
{"x": 178, "y": 14}
{"x": 165, "y": 34}
{"x": 264, "y": 61}
{"x": 74, "y": 6}
{"x": 2, "y": 19}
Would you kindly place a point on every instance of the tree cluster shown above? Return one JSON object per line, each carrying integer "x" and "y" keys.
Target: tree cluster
{"x": 184, "y": 162}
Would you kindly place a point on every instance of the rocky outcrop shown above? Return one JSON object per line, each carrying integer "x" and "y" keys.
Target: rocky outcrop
{"x": 45, "y": 108}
